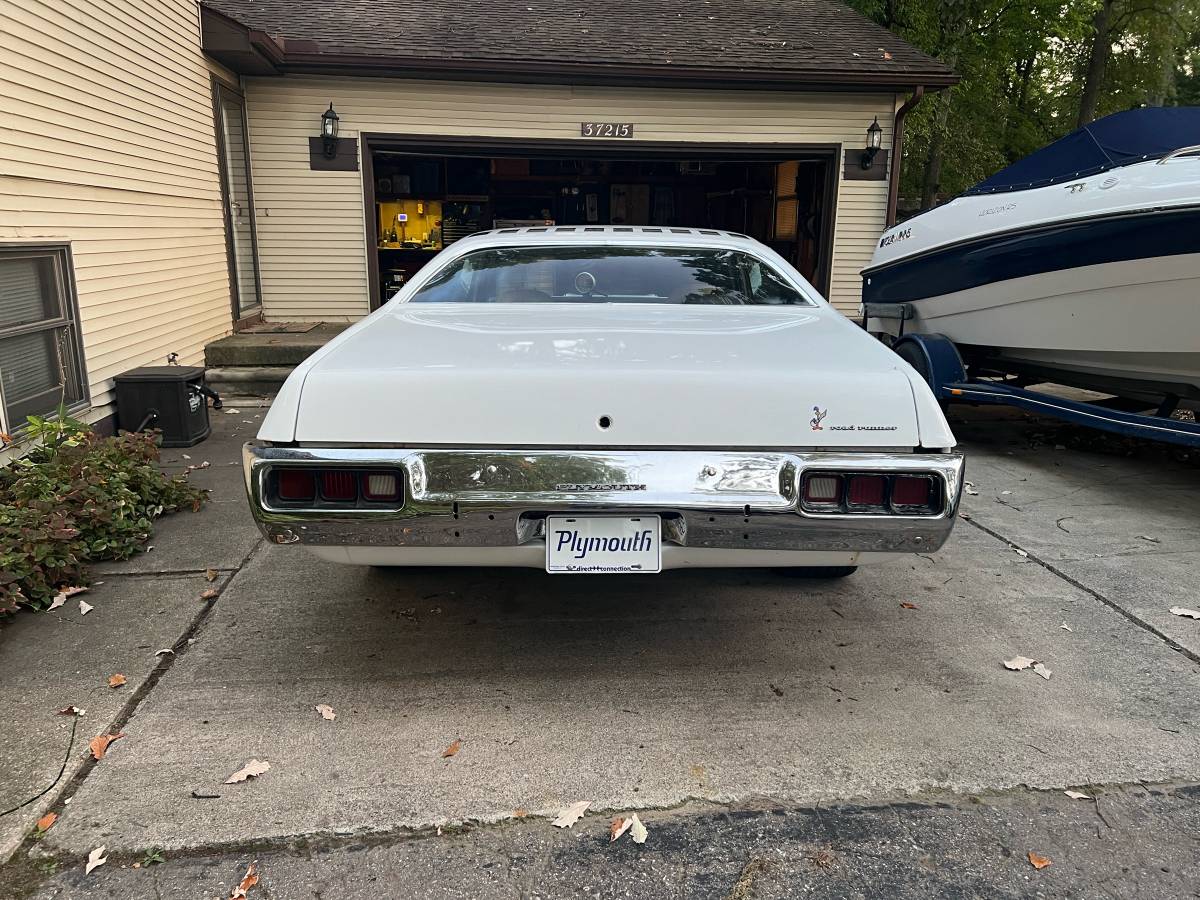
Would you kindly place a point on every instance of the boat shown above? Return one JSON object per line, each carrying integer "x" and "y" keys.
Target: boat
{"x": 1078, "y": 265}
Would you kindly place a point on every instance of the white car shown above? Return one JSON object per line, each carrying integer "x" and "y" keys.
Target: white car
{"x": 606, "y": 399}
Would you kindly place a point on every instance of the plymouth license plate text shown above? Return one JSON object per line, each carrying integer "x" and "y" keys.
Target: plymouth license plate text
{"x": 603, "y": 544}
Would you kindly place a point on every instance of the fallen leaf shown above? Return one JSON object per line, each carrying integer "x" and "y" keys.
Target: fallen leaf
{"x": 210, "y": 594}
{"x": 455, "y": 746}
{"x": 1038, "y": 862}
{"x": 906, "y": 605}
{"x": 970, "y": 489}
{"x": 1017, "y": 663}
{"x": 1077, "y": 795}
{"x": 1065, "y": 627}
{"x": 163, "y": 650}
{"x": 1020, "y": 552}
{"x": 61, "y": 597}
{"x": 1184, "y": 611}
{"x": 249, "y": 880}
{"x": 85, "y": 608}
{"x": 1005, "y": 493}
{"x": 99, "y": 744}
{"x": 1146, "y": 537}
{"x": 71, "y": 711}
{"x": 1042, "y": 670}
{"x": 326, "y": 712}
{"x": 618, "y": 827}
{"x": 210, "y": 574}
{"x": 569, "y": 815}
{"x": 637, "y": 830}
{"x": 44, "y": 823}
{"x": 115, "y": 681}
{"x": 886, "y": 55}
{"x": 95, "y": 858}
{"x": 520, "y": 813}
{"x": 252, "y": 769}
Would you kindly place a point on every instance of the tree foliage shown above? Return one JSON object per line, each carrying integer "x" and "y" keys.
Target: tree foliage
{"x": 1031, "y": 72}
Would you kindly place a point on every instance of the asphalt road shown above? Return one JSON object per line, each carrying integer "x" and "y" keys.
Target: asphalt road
{"x": 848, "y": 743}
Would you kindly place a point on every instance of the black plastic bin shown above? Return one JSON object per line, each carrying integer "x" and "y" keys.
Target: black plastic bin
{"x": 172, "y": 398}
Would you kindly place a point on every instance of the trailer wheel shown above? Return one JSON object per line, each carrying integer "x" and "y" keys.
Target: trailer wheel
{"x": 911, "y": 353}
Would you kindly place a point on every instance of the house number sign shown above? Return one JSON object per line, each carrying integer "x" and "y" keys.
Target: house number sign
{"x": 606, "y": 129}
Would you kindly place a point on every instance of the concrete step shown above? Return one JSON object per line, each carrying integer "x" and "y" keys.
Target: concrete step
{"x": 252, "y": 381}
{"x": 267, "y": 349}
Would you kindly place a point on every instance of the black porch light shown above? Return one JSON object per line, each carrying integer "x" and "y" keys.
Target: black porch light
{"x": 874, "y": 142}
{"x": 329, "y": 131}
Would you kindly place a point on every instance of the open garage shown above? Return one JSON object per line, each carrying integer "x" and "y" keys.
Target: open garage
{"x": 421, "y": 201}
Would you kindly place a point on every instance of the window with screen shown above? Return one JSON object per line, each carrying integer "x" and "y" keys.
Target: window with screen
{"x": 40, "y": 362}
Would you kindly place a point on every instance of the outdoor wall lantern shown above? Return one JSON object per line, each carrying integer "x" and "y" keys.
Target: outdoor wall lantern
{"x": 329, "y": 130}
{"x": 874, "y": 141}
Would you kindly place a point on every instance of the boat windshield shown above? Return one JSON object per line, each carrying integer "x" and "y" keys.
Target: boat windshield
{"x": 608, "y": 274}
{"x": 1116, "y": 140}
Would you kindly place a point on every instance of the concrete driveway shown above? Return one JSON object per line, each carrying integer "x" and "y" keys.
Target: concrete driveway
{"x": 730, "y": 708}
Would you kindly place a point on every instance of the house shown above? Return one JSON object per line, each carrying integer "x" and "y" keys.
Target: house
{"x": 170, "y": 171}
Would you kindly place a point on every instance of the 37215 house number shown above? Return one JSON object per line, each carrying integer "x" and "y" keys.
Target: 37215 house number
{"x": 606, "y": 129}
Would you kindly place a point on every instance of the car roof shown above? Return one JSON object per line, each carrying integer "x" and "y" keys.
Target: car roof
{"x": 639, "y": 235}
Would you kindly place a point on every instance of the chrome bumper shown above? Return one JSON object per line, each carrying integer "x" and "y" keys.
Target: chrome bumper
{"x": 725, "y": 499}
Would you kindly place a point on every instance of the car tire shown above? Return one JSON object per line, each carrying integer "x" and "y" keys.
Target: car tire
{"x": 818, "y": 571}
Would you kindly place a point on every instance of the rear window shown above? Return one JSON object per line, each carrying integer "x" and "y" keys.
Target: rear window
{"x": 609, "y": 275}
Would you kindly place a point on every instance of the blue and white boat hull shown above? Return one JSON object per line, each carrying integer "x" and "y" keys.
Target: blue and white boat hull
{"x": 1093, "y": 282}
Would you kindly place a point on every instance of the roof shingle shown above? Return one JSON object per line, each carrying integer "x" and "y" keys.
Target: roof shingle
{"x": 784, "y": 41}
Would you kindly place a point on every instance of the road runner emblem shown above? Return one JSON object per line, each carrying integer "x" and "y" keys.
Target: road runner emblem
{"x": 818, "y": 415}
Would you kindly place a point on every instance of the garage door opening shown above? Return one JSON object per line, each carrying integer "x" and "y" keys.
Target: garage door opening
{"x": 420, "y": 198}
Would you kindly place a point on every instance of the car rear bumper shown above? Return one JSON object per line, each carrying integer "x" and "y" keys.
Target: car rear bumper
{"x": 726, "y": 500}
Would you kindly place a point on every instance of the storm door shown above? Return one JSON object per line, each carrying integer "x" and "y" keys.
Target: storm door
{"x": 236, "y": 192}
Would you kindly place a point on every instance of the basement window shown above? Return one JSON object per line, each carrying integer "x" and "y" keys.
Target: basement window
{"x": 41, "y": 364}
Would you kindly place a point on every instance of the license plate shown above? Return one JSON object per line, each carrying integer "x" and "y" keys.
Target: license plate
{"x": 603, "y": 544}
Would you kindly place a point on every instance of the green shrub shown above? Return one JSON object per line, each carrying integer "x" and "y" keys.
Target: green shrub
{"x": 74, "y": 498}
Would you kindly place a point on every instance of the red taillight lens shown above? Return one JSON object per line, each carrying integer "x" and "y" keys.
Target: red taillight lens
{"x": 296, "y": 485}
{"x": 823, "y": 489}
{"x": 380, "y": 486}
{"x": 867, "y": 490}
{"x": 911, "y": 490}
{"x": 337, "y": 485}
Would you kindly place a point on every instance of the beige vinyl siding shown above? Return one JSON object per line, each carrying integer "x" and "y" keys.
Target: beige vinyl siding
{"x": 109, "y": 144}
{"x": 311, "y": 232}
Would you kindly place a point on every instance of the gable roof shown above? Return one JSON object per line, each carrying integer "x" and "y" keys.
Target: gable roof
{"x": 770, "y": 43}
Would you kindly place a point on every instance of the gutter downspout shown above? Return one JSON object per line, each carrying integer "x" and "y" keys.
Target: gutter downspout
{"x": 897, "y": 152}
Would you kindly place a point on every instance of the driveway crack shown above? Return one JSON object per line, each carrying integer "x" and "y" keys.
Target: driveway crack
{"x": 1076, "y": 583}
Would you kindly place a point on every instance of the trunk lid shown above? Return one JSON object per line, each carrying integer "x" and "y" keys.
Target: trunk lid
{"x": 541, "y": 374}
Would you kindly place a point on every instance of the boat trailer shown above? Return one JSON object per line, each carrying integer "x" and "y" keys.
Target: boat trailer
{"x": 938, "y": 361}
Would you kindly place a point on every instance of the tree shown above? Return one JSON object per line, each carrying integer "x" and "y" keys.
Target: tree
{"x": 1031, "y": 71}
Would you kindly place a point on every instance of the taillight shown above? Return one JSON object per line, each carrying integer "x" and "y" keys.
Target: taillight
{"x": 347, "y": 488}
{"x": 296, "y": 485}
{"x": 823, "y": 489}
{"x": 912, "y": 491}
{"x": 871, "y": 493}
{"x": 866, "y": 490}
{"x": 338, "y": 485}
{"x": 380, "y": 487}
